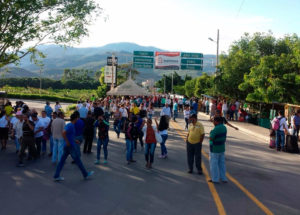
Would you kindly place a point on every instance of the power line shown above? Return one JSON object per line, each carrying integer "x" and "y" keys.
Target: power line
{"x": 238, "y": 13}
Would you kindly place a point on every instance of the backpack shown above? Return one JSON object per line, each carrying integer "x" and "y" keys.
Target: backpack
{"x": 276, "y": 123}
{"x": 132, "y": 132}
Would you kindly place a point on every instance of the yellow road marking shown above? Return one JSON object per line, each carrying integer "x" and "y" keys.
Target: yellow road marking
{"x": 231, "y": 178}
{"x": 211, "y": 186}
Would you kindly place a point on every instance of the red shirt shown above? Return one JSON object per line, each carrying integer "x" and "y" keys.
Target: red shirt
{"x": 150, "y": 138}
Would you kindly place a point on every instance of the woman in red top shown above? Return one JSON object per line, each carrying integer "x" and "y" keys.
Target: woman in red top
{"x": 150, "y": 143}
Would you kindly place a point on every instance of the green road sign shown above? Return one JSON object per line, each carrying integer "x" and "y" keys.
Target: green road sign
{"x": 143, "y": 53}
{"x": 191, "y": 67}
{"x": 143, "y": 60}
{"x": 191, "y": 55}
{"x": 191, "y": 61}
{"x": 143, "y": 65}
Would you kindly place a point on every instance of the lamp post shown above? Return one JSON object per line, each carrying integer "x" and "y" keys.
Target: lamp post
{"x": 217, "y": 42}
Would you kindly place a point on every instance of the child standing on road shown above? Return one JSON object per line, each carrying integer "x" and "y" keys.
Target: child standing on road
{"x": 103, "y": 127}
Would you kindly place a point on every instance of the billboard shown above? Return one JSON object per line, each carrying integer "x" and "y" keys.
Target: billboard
{"x": 167, "y": 60}
{"x": 108, "y": 74}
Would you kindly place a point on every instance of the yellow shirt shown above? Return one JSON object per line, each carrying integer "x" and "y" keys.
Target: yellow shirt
{"x": 135, "y": 110}
{"x": 8, "y": 110}
{"x": 195, "y": 132}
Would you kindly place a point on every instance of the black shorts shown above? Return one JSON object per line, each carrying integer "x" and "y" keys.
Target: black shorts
{"x": 3, "y": 133}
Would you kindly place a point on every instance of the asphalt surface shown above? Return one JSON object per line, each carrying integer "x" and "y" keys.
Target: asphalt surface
{"x": 270, "y": 178}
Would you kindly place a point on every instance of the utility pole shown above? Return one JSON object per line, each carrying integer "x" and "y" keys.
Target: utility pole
{"x": 172, "y": 84}
{"x": 217, "y": 52}
{"x": 112, "y": 76}
{"x": 165, "y": 85}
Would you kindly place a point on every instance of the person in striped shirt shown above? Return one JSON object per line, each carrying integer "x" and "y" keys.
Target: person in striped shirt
{"x": 217, "y": 141}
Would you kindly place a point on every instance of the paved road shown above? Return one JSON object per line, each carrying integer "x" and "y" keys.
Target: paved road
{"x": 39, "y": 105}
{"x": 268, "y": 182}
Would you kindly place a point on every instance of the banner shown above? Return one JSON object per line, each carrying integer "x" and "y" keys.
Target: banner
{"x": 108, "y": 74}
{"x": 167, "y": 60}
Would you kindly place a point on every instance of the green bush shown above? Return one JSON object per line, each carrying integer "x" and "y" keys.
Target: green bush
{"x": 40, "y": 97}
{"x": 71, "y": 107}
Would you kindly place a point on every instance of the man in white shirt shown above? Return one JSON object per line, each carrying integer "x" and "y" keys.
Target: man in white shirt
{"x": 18, "y": 130}
{"x": 237, "y": 107}
{"x": 83, "y": 111}
{"x": 41, "y": 126}
{"x": 166, "y": 111}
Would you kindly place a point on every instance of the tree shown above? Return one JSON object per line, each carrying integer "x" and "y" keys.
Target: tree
{"x": 203, "y": 84}
{"x": 189, "y": 87}
{"x": 124, "y": 73}
{"x": 37, "y": 21}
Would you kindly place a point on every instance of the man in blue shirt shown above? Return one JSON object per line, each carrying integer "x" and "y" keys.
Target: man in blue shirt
{"x": 70, "y": 149}
{"x": 48, "y": 110}
{"x": 296, "y": 123}
{"x": 175, "y": 110}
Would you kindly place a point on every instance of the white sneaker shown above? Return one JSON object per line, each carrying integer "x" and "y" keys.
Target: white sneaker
{"x": 58, "y": 179}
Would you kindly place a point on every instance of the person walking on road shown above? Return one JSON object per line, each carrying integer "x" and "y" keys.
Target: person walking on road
{"x": 166, "y": 111}
{"x": 175, "y": 110}
{"x": 150, "y": 143}
{"x": 27, "y": 140}
{"x": 186, "y": 114}
{"x": 194, "y": 144}
{"x": 103, "y": 127}
{"x": 70, "y": 149}
{"x": 217, "y": 139}
{"x": 57, "y": 128}
{"x": 131, "y": 135}
{"x": 88, "y": 133}
{"x": 163, "y": 127}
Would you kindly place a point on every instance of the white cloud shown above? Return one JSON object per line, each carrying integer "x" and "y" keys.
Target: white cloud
{"x": 170, "y": 25}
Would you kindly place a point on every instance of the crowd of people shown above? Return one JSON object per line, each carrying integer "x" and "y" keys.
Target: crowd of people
{"x": 135, "y": 117}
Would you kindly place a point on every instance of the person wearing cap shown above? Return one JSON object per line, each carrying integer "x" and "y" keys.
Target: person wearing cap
{"x": 194, "y": 144}
{"x": 217, "y": 139}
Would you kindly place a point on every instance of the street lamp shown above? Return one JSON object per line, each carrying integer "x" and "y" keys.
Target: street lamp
{"x": 217, "y": 42}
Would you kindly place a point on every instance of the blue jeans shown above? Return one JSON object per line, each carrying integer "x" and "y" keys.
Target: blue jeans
{"x": 77, "y": 146}
{"x": 101, "y": 142}
{"x": 225, "y": 113}
{"x": 117, "y": 127}
{"x": 175, "y": 115}
{"x": 236, "y": 114}
{"x": 129, "y": 149}
{"x": 217, "y": 166}
{"x": 17, "y": 142}
{"x": 58, "y": 149}
{"x": 71, "y": 150}
{"x": 163, "y": 144}
{"x": 149, "y": 151}
{"x": 44, "y": 145}
{"x": 207, "y": 109}
{"x": 51, "y": 143}
{"x": 280, "y": 137}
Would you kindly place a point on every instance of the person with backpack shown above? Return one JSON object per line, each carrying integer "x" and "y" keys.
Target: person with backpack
{"x": 131, "y": 133}
{"x": 150, "y": 143}
{"x": 103, "y": 127}
{"x": 280, "y": 126}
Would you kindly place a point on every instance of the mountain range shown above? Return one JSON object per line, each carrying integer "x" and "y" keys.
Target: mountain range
{"x": 59, "y": 58}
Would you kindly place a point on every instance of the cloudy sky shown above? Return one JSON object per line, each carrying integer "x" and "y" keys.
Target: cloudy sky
{"x": 185, "y": 25}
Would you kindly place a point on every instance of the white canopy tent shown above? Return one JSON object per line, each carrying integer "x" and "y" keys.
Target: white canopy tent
{"x": 128, "y": 88}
